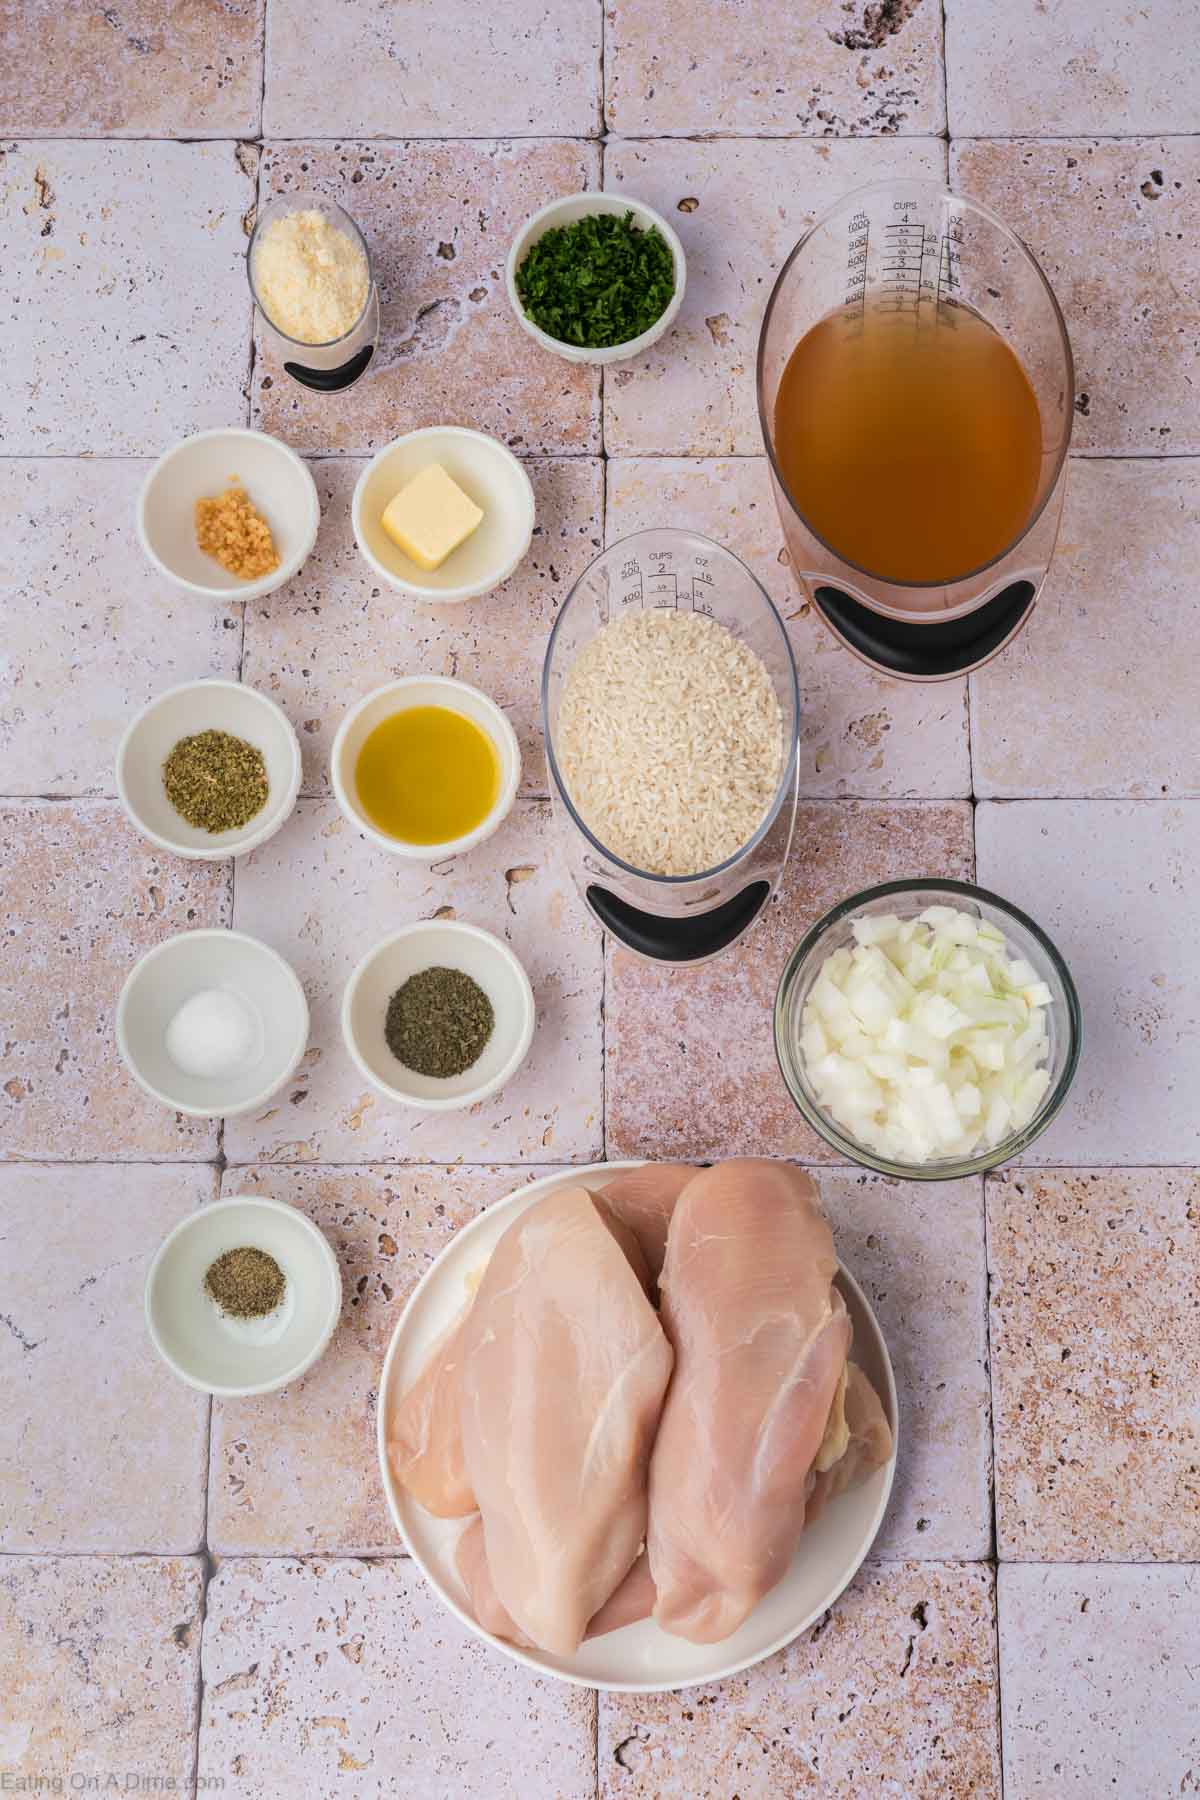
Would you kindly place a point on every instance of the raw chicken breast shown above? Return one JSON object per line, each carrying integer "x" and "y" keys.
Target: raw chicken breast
{"x": 868, "y": 1448}
{"x": 633, "y": 1599}
{"x": 564, "y": 1370}
{"x": 424, "y": 1437}
{"x": 760, "y": 1337}
{"x": 644, "y": 1199}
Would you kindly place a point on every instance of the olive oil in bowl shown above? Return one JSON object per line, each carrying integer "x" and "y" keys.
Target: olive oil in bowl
{"x": 427, "y": 775}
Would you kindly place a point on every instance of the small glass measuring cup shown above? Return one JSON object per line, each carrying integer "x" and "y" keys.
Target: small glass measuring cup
{"x": 674, "y": 918}
{"x": 910, "y": 246}
{"x": 330, "y": 367}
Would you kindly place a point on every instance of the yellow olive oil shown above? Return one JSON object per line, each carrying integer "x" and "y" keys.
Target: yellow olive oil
{"x": 427, "y": 775}
{"x": 913, "y": 449}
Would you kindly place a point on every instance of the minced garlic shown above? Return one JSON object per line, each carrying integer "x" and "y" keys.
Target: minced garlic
{"x": 311, "y": 277}
{"x": 230, "y": 529}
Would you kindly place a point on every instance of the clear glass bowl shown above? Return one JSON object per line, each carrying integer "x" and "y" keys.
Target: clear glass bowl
{"x": 908, "y": 899}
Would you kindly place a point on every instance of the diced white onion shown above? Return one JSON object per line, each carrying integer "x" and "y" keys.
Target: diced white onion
{"x": 927, "y": 1040}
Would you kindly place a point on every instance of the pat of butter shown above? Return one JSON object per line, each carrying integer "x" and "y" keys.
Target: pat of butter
{"x": 430, "y": 517}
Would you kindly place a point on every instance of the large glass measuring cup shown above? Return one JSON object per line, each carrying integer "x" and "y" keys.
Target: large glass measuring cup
{"x": 674, "y": 918}
{"x": 913, "y": 250}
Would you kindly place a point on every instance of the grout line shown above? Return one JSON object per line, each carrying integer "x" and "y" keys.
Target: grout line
{"x": 598, "y": 455}
{"x": 696, "y": 135}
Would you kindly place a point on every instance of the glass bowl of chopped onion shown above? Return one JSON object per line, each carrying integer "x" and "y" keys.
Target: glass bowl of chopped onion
{"x": 927, "y": 1029}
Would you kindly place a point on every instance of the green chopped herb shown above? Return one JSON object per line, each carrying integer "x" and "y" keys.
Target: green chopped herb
{"x": 439, "y": 1022}
{"x": 598, "y": 282}
{"x": 216, "y": 781}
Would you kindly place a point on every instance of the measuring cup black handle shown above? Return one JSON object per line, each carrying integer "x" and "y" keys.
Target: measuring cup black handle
{"x": 931, "y": 652}
{"x": 679, "y": 940}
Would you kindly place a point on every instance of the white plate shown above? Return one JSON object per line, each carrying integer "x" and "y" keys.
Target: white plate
{"x": 642, "y": 1658}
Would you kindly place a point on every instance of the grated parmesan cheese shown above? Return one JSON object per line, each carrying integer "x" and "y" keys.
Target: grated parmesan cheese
{"x": 310, "y": 276}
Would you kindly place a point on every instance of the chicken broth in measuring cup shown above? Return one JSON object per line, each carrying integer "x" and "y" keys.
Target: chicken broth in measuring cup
{"x": 911, "y": 445}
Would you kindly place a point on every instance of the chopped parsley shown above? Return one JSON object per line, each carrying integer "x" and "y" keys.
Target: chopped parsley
{"x": 598, "y": 282}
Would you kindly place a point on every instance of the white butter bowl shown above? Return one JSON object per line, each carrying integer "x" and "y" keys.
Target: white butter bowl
{"x": 234, "y": 1357}
{"x": 565, "y": 212}
{"x": 183, "y": 711}
{"x": 188, "y": 964}
{"x": 444, "y": 944}
{"x": 488, "y": 473}
{"x": 424, "y": 690}
{"x": 278, "y": 484}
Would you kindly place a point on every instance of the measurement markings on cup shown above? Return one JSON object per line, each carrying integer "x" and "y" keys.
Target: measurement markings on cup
{"x": 904, "y": 287}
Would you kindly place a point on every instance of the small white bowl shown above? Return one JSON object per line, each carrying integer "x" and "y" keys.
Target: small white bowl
{"x": 181, "y": 712}
{"x": 278, "y": 484}
{"x": 441, "y": 944}
{"x": 397, "y": 696}
{"x": 234, "y": 1357}
{"x": 565, "y": 212}
{"x": 487, "y": 472}
{"x": 159, "y": 983}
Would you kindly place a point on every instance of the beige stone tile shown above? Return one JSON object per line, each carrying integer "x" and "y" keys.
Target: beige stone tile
{"x": 101, "y": 1657}
{"x": 1096, "y": 1364}
{"x": 1116, "y": 229}
{"x": 691, "y": 1068}
{"x": 330, "y": 1677}
{"x": 152, "y": 68}
{"x": 740, "y": 207}
{"x": 334, "y": 633}
{"x": 324, "y": 896}
{"x": 707, "y": 66}
{"x": 529, "y": 68}
{"x": 1120, "y": 609}
{"x": 1098, "y": 1667}
{"x": 439, "y": 219}
{"x": 82, "y": 897}
{"x": 91, "y": 632}
{"x": 123, "y": 301}
{"x": 893, "y": 1692}
{"x": 1081, "y": 65}
{"x": 101, "y": 1448}
{"x": 1113, "y": 884}
{"x": 268, "y": 1494}
{"x": 859, "y": 733}
{"x": 917, "y": 1248}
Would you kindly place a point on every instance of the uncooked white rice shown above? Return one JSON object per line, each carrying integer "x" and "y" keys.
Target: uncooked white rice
{"x": 670, "y": 740}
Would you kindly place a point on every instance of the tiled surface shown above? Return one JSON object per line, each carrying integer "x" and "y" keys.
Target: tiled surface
{"x": 333, "y": 633}
{"x": 100, "y": 1657}
{"x": 77, "y": 1240}
{"x": 123, "y": 299}
{"x": 891, "y": 1693}
{"x": 148, "y": 68}
{"x": 267, "y": 1494}
{"x": 690, "y": 1054}
{"x": 438, "y": 219}
{"x": 1096, "y": 1363}
{"x": 324, "y": 896}
{"x": 81, "y": 898}
{"x": 739, "y": 206}
{"x": 1121, "y": 610}
{"x": 1098, "y": 1667}
{"x": 91, "y": 631}
{"x": 1116, "y": 229}
{"x": 716, "y": 66}
{"x": 1112, "y": 883}
{"x": 859, "y": 733}
{"x": 918, "y": 1252}
{"x": 125, "y": 316}
{"x": 1026, "y": 68}
{"x": 324, "y": 1677}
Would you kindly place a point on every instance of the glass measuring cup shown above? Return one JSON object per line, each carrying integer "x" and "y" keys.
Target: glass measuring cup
{"x": 330, "y": 367}
{"x": 913, "y": 249}
{"x": 674, "y": 918}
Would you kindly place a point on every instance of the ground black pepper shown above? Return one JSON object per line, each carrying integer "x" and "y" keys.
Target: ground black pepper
{"x": 438, "y": 1022}
{"x": 245, "y": 1283}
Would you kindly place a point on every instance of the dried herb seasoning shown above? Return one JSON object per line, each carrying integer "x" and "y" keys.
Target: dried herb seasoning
{"x": 215, "y": 781}
{"x": 245, "y": 1283}
{"x": 438, "y": 1022}
{"x": 597, "y": 282}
